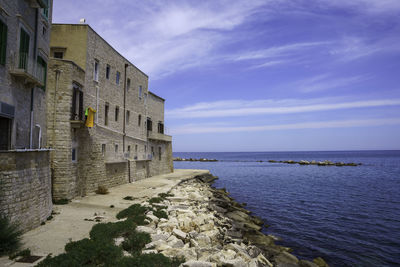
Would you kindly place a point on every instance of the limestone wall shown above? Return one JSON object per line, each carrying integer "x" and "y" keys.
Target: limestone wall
{"x": 25, "y": 187}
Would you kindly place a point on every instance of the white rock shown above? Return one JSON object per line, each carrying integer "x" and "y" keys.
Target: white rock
{"x": 198, "y": 264}
{"x": 179, "y": 234}
{"x": 145, "y": 229}
{"x": 203, "y": 240}
{"x": 149, "y": 251}
{"x": 118, "y": 241}
{"x": 154, "y": 219}
{"x": 160, "y": 236}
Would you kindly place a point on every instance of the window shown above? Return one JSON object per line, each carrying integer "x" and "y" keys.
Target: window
{"x": 45, "y": 10}
{"x": 44, "y": 31}
{"x": 128, "y": 84}
{"x": 129, "y": 149}
{"x": 116, "y": 148}
{"x": 106, "y": 108}
{"x": 23, "y": 50}
{"x": 149, "y": 125}
{"x": 116, "y": 113}
{"x": 140, "y": 91}
{"x": 160, "y": 128}
{"x": 103, "y": 149}
{"x": 145, "y": 148}
{"x": 159, "y": 153}
{"x": 3, "y": 43}
{"x": 74, "y": 154}
{"x": 96, "y": 71}
{"x": 108, "y": 72}
{"x": 145, "y": 98}
{"x": 136, "y": 148}
{"x": 128, "y": 113}
{"x": 5, "y": 133}
{"x": 59, "y": 55}
{"x": 77, "y": 103}
{"x": 41, "y": 71}
{"x": 117, "y": 77}
{"x": 139, "y": 120}
{"x": 152, "y": 150}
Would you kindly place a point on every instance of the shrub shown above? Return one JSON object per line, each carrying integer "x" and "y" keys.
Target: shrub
{"x": 160, "y": 214}
{"x": 165, "y": 195}
{"x": 22, "y": 253}
{"x": 105, "y": 232}
{"x": 150, "y": 260}
{"x": 10, "y": 237}
{"x": 155, "y": 200}
{"x": 135, "y": 212}
{"x": 62, "y": 201}
{"x": 135, "y": 242}
{"x": 102, "y": 190}
{"x": 86, "y": 252}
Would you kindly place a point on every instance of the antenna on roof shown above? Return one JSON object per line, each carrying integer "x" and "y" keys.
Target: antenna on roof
{"x": 82, "y": 21}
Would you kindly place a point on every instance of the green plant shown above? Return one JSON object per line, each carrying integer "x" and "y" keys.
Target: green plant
{"x": 160, "y": 214}
{"x": 150, "y": 260}
{"x": 10, "y": 237}
{"x": 62, "y": 201}
{"x": 165, "y": 195}
{"x": 105, "y": 232}
{"x": 50, "y": 217}
{"x": 136, "y": 212}
{"x": 155, "y": 200}
{"x": 135, "y": 242}
{"x": 102, "y": 190}
{"x": 22, "y": 253}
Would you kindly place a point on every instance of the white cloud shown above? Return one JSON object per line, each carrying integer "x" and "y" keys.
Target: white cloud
{"x": 326, "y": 82}
{"x": 198, "y": 129}
{"x": 233, "y": 108}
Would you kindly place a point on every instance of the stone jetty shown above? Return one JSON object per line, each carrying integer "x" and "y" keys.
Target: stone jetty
{"x": 208, "y": 228}
{"x": 313, "y": 162}
{"x": 192, "y": 159}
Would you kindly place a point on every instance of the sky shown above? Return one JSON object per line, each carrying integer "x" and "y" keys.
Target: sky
{"x": 272, "y": 75}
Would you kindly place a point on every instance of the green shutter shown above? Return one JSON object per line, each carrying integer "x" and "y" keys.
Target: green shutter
{"x": 3, "y": 43}
{"x": 23, "y": 50}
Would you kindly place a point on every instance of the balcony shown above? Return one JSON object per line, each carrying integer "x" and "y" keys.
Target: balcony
{"x": 27, "y": 70}
{"x": 159, "y": 136}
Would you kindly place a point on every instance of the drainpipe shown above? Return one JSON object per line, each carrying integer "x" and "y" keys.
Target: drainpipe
{"x": 58, "y": 72}
{"x": 31, "y": 120}
{"x": 34, "y": 69}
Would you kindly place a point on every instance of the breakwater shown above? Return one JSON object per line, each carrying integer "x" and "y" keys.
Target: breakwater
{"x": 313, "y": 162}
{"x": 209, "y": 228}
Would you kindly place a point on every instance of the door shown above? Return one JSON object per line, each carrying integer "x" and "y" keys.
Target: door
{"x": 5, "y": 133}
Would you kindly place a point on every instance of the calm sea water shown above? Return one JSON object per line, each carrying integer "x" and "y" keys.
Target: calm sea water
{"x": 350, "y": 216}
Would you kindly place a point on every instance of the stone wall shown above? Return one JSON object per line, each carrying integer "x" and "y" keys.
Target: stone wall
{"x": 25, "y": 187}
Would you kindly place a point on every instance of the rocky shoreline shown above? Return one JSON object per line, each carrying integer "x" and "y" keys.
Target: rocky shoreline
{"x": 313, "y": 162}
{"x": 208, "y": 228}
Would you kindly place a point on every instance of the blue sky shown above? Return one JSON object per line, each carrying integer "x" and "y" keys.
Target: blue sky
{"x": 276, "y": 75}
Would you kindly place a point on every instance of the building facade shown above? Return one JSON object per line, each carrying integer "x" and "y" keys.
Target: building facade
{"x": 25, "y": 180}
{"x": 126, "y": 141}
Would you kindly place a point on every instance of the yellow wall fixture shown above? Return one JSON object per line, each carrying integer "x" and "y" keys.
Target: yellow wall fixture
{"x": 90, "y": 117}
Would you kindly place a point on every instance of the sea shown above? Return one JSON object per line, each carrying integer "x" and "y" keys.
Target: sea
{"x": 349, "y": 216}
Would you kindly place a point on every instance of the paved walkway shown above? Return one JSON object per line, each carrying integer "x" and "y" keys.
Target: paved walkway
{"x": 70, "y": 224}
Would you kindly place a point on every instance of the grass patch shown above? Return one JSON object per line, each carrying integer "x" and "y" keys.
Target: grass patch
{"x": 128, "y": 198}
{"x": 62, "y": 201}
{"x": 10, "y": 237}
{"x": 102, "y": 190}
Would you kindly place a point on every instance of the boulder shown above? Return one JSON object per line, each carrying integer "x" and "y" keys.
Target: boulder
{"x": 179, "y": 234}
{"x": 320, "y": 262}
{"x": 285, "y": 257}
{"x": 193, "y": 263}
{"x": 145, "y": 229}
{"x": 304, "y": 263}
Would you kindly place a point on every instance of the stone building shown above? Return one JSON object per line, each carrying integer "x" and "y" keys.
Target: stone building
{"x": 25, "y": 181}
{"x": 127, "y": 140}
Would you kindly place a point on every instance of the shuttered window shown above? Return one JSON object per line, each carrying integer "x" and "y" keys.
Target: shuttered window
{"x": 3, "y": 42}
{"x": 23, "y": 50}
{"x": 42, "y": 71}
